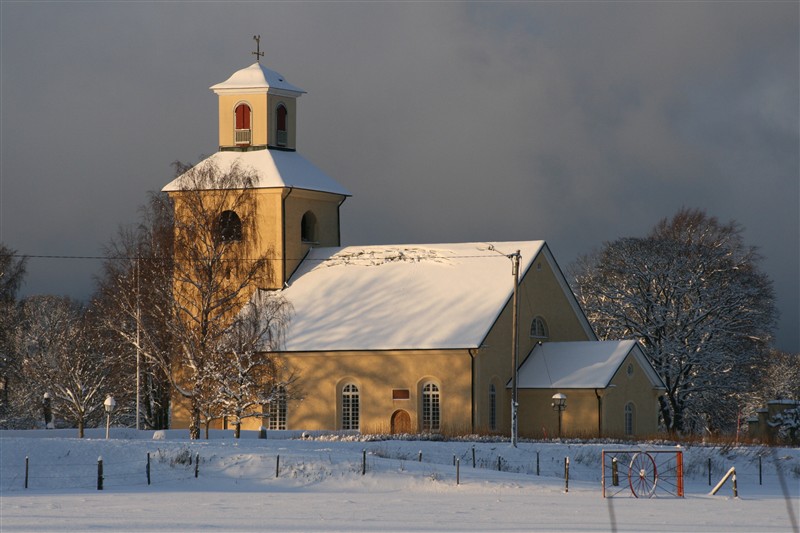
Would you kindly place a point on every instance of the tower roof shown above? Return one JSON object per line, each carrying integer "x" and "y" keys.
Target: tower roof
{"x": 257, "y": 78}
{"x": 271, "y": 169}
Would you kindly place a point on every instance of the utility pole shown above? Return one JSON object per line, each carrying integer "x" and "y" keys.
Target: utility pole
{"x": 514, "y": 348}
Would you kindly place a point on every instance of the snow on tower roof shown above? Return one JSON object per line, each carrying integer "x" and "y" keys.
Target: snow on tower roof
{"x": 403, "y": 297}
{"x": 579, "y": 365}
{"x": 273, "y": 169}
{"x": 254, "y": 78}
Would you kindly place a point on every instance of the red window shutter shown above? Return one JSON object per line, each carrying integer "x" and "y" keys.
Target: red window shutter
{"x": 242, "y": 117}
{"x": 281, "y": 118}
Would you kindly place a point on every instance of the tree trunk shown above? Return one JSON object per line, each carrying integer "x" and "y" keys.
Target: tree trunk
{"x": 80, "y": 428}
{"x": 237, "y": 429}
{"x": 194, "y": 424}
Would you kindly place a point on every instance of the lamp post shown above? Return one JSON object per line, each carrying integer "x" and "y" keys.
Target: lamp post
{"x": 109, "y": 404}
{"x": 559, "y": 404}
{"x": 48, "y": 411}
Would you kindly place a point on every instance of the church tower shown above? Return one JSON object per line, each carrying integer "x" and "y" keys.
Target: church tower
{"x": 296, "y": 204}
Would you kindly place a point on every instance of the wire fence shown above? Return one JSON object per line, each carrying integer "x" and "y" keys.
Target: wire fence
{"x": 178, "y": 466}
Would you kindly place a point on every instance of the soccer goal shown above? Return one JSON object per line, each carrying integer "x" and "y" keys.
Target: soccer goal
{"x": 643, "y": 474}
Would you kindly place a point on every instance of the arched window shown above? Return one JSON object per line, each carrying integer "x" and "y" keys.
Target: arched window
{"x": 492, "y": 407}
{"x": 630, "y": 415}
{"x": 539, "y": 328}
{"x": 350, "y": 407}
{"x": 242, "y": 131}
{"x": 229, "y": 227}
{"x": 277, "y": 409}
{"x": 308, "y": 227}
{"x": 430, "y": 407}
{"x": 282, "y": 126}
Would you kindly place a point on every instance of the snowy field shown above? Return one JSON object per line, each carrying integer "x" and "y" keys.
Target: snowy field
{"x": 320, "y": 486}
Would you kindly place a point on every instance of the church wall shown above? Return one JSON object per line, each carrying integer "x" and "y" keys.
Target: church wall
{"x": 325, "y": 208}
{"x": 540, "y": 295}
{"x": 637, "y": 389}
{"x": 537, "y": 419}
{"x": 270, "y": 231}
{"x": 321, "y": 377}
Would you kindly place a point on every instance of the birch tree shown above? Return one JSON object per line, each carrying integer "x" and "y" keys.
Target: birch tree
{"x": 693, "y": 296}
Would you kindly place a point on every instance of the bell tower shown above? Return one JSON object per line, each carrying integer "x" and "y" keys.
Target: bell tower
{"x": 257, "y": 109}
{"x": 296, "y": 205}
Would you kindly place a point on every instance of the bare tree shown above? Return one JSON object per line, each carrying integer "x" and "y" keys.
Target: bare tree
{"x": 61, "y": 355}
{"x": 691, "y": 292}
{"x": 246, "y": 373}
{"x": 132, "y": 299}
{"x": 12, "y": 272}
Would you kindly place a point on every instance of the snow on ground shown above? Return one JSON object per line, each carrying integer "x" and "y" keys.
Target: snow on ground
{"x": 320, "y": 486}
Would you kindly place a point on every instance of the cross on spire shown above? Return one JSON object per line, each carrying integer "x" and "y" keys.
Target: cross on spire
{"x": 258, "y": 53}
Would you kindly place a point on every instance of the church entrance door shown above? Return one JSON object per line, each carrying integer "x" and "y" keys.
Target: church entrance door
{"x": 401, "y": 422}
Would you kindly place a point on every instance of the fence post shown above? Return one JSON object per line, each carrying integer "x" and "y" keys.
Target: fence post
{"x": 473, "y": 456}
{"x": 709, "y": 471}
{"x": 363, "y": 462}
{"x": 147, "y": 468}
{"x": 277, "y": 466}
{"x": 454, "y": 459}
{"x": 499, "y": 463}
{"x": 566, "y": 474}
{"x": 420, "y": 456}
{"x": 196, "y": 465}
{"x": 458, "y": 471}
{"x": 614, "y": 472}
{"x": 100, "y": 473}
{"x": 26, "y": 471}
{"x": 537, "y": 462}
{"x": 759, "y": 470}
{"x": 735, "y": 489}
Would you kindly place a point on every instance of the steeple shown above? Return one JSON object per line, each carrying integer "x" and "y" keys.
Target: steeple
{"x": 296, "y": 205}
{"x": 257, "y": 109}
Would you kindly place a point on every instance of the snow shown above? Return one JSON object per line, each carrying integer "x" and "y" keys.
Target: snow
{"x": 272, "y": 169}
{"x": 320, "y": 487}
{"x": 579, "y": 365}
{"x": 403, "y": 297}
{"x": 256, "y": 76}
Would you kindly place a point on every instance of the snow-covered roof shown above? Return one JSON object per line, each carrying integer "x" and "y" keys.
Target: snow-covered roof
{"x": 579, "y": 365}
{"x": 254, "y": 78}
{"x": 273, "y": 168}
{"x": 403, "y": 297}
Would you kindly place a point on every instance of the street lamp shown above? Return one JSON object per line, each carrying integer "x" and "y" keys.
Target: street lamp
{"x": 559, "y": 404}
{"x": 109, "y": 404}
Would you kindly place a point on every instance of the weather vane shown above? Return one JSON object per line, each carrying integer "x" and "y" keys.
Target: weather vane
{"x": 258, "y": 53}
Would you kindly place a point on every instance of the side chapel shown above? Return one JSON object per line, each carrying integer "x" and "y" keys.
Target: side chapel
{"x": 418, "y": 337}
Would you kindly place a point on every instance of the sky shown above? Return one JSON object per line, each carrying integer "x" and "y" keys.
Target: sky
{"x": 577, "y": 123}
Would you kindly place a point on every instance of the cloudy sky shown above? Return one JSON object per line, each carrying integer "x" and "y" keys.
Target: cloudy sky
{"x": 577, "y": 123}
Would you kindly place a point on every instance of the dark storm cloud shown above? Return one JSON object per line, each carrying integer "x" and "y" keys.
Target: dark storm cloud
{"x": 572, "y": 122}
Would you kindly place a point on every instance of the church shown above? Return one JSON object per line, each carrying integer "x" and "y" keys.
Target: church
{"x": 406, "y": 338}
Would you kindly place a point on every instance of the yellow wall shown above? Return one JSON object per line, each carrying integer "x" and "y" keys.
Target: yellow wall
{"x": 637, "y": 389}
{"x": 321, "y": 377}
{"x": 581, "y": 419}
{"x": 325, "y": 208}
{"x": 539, "y": 295}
